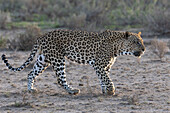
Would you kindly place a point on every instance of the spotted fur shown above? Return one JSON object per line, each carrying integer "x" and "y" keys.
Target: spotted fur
{"x": 99, "y": 50}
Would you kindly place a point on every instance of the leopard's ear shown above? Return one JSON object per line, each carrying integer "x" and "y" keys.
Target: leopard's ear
{"x": 139, "y": 33}
{"x": 127, "y": 34}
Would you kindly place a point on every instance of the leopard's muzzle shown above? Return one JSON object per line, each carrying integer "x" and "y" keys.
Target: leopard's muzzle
{"x": 138, "y": 53}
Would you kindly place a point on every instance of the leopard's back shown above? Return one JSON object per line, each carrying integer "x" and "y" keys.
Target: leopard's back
{"x": 77, "y": 46}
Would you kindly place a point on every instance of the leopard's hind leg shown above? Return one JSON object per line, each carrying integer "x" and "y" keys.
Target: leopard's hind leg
{"x": 38, "y": 68}
{"x": 59, "y": 67}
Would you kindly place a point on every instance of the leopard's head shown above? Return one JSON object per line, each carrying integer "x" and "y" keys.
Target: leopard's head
{"x": 133, "y": 44}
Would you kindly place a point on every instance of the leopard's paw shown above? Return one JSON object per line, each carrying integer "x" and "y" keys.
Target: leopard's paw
{"x": 33, "y": 90}
{"x": 109, "y": 91}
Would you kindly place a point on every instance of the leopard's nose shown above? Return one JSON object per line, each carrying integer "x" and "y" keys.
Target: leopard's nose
{"x": 143, "y": 49}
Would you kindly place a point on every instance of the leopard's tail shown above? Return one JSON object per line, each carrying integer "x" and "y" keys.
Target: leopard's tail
{"x": 27, "y": 62}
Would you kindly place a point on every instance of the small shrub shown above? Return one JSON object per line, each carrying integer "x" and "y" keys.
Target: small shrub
{"x": 159, "y": 24}
{"x": 25, "y": 41}
{"x": 133, "y": 100}
{"x": 3, "y": 42}
{"x": 21, "y": 104}
{"x": 159, "y": 48}
{"x": 4, "y": 19}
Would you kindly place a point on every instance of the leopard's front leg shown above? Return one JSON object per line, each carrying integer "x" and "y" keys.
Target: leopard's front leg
{"x": 102, "y": 69}
{"x": 105, "y": 81}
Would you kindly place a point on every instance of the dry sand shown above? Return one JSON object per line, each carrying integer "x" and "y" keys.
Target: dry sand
{"x": 140, "y": 88}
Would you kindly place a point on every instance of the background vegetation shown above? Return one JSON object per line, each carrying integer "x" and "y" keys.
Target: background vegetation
{"x": 91, "y": 15}
{"x": 35, "y": 16}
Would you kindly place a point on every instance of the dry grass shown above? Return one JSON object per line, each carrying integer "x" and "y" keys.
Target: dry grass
{"x": 75, "y": 21}
{"x": 20, "y": 104}
{"x": 4, "y": 19}
{"x": 3, "y": 42}
{"x": 25, "y": 41}
{"x": 159, "y": 47}
{"x": 159, "y": 24}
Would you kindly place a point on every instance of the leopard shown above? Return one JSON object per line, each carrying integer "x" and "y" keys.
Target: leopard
{"x": 97, "y": 49}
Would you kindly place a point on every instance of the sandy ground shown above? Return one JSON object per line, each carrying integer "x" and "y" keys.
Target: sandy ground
{"x": 140, "y": 87}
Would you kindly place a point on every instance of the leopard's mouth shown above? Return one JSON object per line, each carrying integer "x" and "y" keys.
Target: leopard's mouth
{"x": 138, "y": 53}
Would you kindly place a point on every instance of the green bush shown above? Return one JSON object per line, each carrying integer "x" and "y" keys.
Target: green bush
{"x": 92, "y": 14}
